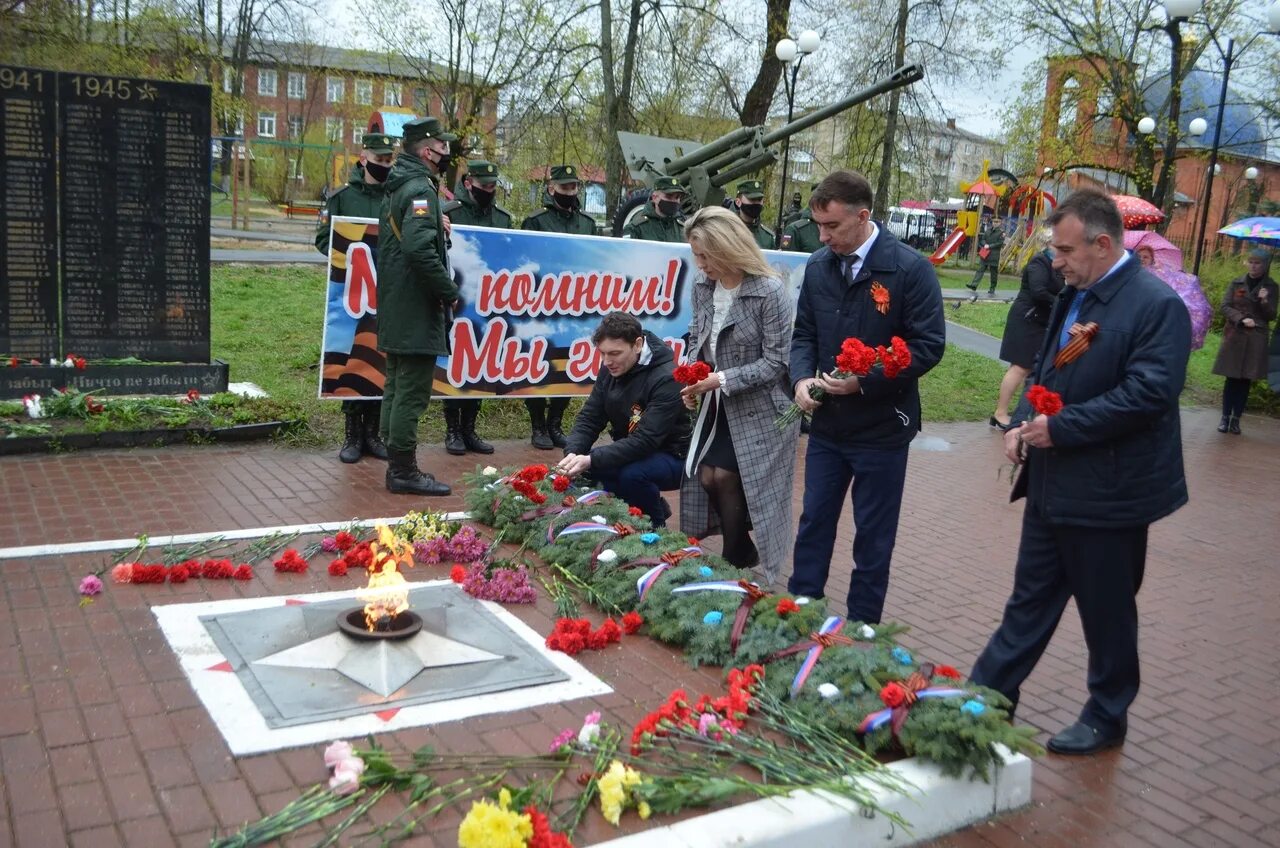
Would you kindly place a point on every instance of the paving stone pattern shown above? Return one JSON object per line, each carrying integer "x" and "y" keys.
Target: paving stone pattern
{"x": 103, "y": 742}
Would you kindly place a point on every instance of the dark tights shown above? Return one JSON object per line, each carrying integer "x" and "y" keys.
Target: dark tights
{"x": 724, "y": 488}
{"x": 1235, "y": 393}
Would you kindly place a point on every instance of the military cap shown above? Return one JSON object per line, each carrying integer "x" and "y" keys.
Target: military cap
{"x": 379, "y": 143}
{"x": 427, "y": 127}
{"x": 480, "y": 171}
{"x": 668, "y": 184}
{"x": 564, "y": 174}
{"x": 751, "y": 189}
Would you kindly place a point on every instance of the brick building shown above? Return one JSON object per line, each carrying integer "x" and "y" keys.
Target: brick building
{"x": 1080, "y": 133}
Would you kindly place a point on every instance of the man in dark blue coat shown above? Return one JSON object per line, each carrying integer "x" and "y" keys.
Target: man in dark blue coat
{"x": 1097, "y": 473}
{"x": 863, "y": 284}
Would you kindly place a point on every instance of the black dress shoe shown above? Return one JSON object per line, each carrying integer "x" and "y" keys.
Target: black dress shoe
{"x": 1080, "y": 739}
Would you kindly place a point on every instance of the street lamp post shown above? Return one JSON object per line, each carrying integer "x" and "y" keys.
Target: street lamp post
{"x": 791, "y": 53}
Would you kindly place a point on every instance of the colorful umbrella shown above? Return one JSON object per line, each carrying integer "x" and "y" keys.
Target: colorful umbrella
{"x": 1260, "y": 230}
{"x": 1167, "y": 254}
{"x": 982, "y": 188}
{"x": 1136, "y": 211}
{"x": 1188, "y": 288}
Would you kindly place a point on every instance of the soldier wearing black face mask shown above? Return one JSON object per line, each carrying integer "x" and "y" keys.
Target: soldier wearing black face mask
{"x": 561, "y": 215}
{"x": 749, "y": 204}
{"x": 477, "y": 209}
{"x": 361, "y": 197}
{"x": 660, "y": 220}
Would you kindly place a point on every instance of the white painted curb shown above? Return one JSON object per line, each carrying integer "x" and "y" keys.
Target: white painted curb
{"x": 814, "y": 819}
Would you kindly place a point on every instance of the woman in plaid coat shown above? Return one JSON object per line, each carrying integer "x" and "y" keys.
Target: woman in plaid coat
{"x": 740, "y": 466}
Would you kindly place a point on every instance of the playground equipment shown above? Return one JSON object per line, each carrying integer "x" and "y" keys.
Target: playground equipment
{"x": 978, "y": 195}
{"x": 705, "y": 169}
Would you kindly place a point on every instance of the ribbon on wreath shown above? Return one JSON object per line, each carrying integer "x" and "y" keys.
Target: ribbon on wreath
{"x": 916, "y": 688}
{"x": 578, "y": 528}
{"x": 752, "y": 593}
{"x": 828, "y": 636}
{"x": 623, "y": 530}
{"x": 660, "y": 565}
{"x": 564, "y": 506}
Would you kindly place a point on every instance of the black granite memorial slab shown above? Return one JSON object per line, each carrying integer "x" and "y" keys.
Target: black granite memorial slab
{"x": 28, "y": 214}
{"x": 134, "y": 217}
{"x": 159, "y": 379}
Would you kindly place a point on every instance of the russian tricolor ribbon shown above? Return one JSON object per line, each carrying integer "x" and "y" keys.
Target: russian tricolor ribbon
{"x": 878, "y": 719}
{"x": 579, "y": 527}
{"x": 829, "y": 634}
{"x": 646, "y": 581}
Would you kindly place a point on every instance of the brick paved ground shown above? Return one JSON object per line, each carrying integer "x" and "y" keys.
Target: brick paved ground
{"x": 102, "y": 741}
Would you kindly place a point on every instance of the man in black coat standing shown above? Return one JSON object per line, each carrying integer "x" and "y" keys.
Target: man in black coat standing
{"x": 1097, "y": 473}
{"x": 863, "y": 284}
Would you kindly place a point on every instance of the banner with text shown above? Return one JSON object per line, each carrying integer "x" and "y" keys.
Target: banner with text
{"x": 530, "y": 302}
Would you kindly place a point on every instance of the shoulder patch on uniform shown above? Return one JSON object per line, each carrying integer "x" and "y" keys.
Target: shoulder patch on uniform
{"x": 421, "y": 207}
{"x": 786, "y": 239}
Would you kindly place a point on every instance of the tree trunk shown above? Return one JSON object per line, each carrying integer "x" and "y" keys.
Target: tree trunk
{"x": 880, "y": 203}
{"x": 617, "y": 97}
{"x": 755, "y": 106}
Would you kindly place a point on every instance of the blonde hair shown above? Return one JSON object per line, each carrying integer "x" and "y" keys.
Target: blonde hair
{"x": 727, "y": 241}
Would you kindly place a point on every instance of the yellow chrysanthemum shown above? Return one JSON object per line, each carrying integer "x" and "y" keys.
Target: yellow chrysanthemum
{"x": 494, "y": 826}
{"x": 644, "y": 810}
{"x": 614, "y": 794}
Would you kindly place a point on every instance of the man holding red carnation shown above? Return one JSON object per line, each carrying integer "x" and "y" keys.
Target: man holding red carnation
{"x": 866, "y": 286}
{"x": 1100, "y": 445}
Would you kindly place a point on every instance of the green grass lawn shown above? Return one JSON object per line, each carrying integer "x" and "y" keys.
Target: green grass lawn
{"x": 955, "y": 278}
{"x": 267, "y": 324}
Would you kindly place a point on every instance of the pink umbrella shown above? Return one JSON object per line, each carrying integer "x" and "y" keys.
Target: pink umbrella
{"x": 1166, "y": 253}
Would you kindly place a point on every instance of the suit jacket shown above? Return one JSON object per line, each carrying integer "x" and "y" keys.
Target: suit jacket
{"x": 1117, "y": 454}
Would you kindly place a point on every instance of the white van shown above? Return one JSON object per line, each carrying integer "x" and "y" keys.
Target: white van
{"x": 912, "y": 226}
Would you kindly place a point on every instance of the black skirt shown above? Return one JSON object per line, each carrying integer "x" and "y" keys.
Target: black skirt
{"x": 720, "y": 453}
{"x": 1022, "y": 338}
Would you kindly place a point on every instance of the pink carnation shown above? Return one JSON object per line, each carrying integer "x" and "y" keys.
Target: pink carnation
{"x": 90, "y": 585}
{"x": 122, "y": 573}
{"x": 562, "y": 739}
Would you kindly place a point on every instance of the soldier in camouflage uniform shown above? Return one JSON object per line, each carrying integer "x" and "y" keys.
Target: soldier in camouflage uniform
{"x": 993, "y": 240}
{"x": 749, "y": 204}
{"x": 361, "y": 197}
{"x": 562, "y": 214}
{"x": 660, "y": 220}
{"x": 476, "y": 208}
{"x": 415, "y": 291}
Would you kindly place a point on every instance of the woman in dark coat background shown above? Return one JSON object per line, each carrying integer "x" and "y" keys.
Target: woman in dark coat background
{"x": 1248, "y": 306}
{"x": 1025, "y": 327}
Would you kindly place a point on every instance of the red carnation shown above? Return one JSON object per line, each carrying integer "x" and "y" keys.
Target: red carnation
{"x": 855, "y": 357}
{"x": 13, "y": 362}
{"x": 611, "y": 630}
{"x": 693, "y": 541}
{"x": 681, "y": 375}
{"x": 1044, "y": 401}
{"x": 597, "y": 640}
{"x": 946, "y": 671}
{"x": 344, "y": 540}
{"x": 634, "y": 510}
{"x": 787, "y": 605}
{"x": 894, "y": 358}
{"x": 893, "y": 695}
{"x": 560, "y": 483}
{"x": 243, "y": 571}
{"x": 631, "y": 622}
{"x": 291, "y": 562}
{"x": 538, "y": 498}
{"x": 533, "y": 473}
{"x": 457, "y": 574}
{"x": 178, "y": 574}
{"x": 338, "y": 568}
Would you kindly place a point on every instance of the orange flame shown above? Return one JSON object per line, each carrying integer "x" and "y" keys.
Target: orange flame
{"x": 387, "y": 594}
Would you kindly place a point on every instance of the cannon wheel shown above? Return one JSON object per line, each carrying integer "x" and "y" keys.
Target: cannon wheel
{"x": 628, "y": 209}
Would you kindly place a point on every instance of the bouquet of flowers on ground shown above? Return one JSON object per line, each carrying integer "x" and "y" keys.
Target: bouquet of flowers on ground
{"x": 856, "y": 359}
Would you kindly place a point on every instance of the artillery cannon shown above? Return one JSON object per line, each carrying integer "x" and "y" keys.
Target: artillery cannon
{"x": 705, "y": 169}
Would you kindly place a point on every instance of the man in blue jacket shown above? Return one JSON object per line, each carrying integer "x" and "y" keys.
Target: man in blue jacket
{"x": 863, "y": 284}
{"x": 1097, "y": 473}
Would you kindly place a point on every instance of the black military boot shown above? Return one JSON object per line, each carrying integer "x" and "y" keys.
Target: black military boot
{"x": 371, "y": 444}
{"x": 554, "y": 432}
{"x": 351, "y": 444}
{"x": 404, "y": 478}
{"x": 1233, "y": 426}
{"x": 470, "y": 438}
{"x": 1224, "y": 424}
{"x": 453, "y": 442}
{"x": 538, "y": 420}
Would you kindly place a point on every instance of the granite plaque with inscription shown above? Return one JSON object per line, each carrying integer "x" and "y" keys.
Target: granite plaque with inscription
{"x": 29, "y": 214}
{"x": 134, "y": 216}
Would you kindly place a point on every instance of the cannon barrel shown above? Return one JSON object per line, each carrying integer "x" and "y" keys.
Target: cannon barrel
{"x": 906, "y": 75}
{"x": 755, "y": 163}
{"x": 725, "y": 142}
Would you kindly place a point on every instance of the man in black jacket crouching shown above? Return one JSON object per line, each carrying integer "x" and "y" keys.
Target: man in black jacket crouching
{"x": 637, "y": 397}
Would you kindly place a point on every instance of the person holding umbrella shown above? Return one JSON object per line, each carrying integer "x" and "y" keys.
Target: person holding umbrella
{"x": 1248, "y": 306}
